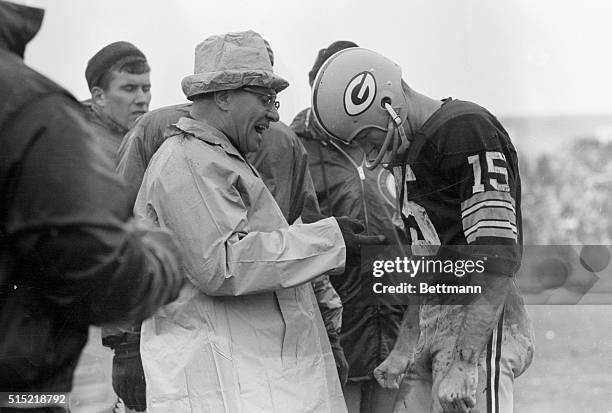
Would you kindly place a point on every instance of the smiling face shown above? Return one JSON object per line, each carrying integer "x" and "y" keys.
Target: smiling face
{"x": 126, "y": 97}
{"x": 251, "y": 114}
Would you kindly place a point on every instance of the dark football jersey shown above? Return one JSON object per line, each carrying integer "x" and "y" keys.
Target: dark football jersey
{"x": 462, "y": 186}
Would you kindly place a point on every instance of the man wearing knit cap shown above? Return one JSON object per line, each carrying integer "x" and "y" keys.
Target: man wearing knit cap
{"x": 118, "y": 79}
{"x": 245, "y": 333}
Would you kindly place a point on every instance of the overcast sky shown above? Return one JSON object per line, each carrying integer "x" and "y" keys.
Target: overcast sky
{"x": 515, "y": 57}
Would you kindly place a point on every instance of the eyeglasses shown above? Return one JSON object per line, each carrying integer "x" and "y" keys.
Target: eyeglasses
{"x": 267, "y": 99}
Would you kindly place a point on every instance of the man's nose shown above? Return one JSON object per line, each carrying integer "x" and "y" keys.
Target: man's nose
{"x": 141, "y": 96}
{"x": 273, "y": 114}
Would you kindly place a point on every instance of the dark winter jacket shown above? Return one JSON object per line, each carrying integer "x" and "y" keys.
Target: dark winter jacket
{"x": 345, "y": 187}
{"x": 109, "y": 133}
{"x": 68, "y": 258}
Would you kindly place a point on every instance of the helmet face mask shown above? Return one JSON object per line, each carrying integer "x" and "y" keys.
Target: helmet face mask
{"x": 349, "y": 96}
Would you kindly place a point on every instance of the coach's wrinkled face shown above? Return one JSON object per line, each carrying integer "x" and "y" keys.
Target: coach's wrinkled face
{"x": 251, "y": 111}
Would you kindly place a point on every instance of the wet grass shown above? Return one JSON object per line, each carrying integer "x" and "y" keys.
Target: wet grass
{"x": 572, "y": 369}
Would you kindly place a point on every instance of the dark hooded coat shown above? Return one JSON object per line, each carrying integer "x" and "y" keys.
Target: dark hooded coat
{"x": 345, "y": 187}
{"x": 67, "y": 257}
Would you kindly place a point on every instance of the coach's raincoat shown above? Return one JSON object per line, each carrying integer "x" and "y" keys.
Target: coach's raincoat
{"x": 245, "y": 334}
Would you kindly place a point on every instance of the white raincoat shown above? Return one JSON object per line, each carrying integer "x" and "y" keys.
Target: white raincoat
{"x": 245, "y": 335}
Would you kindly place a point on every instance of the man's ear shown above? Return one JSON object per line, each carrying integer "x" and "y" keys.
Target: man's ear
{"x": 98, "y": 97}
{"x": 223, "y": 99}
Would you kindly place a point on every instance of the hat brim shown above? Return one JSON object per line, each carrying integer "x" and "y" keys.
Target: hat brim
{"x": 201, "y": 83}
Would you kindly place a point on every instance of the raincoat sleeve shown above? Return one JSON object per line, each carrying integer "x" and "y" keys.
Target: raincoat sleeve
{"x": 70, "y": 222}
{"x": 205, "y": 204}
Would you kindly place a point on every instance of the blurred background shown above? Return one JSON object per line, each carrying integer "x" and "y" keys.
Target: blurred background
{"x": 544, "y": 68}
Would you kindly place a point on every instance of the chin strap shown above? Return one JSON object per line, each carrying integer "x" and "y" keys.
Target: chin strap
{"x": 383, "y": 150}
{"x": 395, "y": 133}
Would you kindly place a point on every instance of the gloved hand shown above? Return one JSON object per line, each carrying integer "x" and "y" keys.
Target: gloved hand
{"x": 351, "y": 229}
{"x": 341, "y": 363}
{"x": 128, "y": 379}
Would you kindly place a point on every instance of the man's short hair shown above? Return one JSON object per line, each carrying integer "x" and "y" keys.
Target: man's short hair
{"x": 131, "y": 65}
{"x": 115, "y": 57}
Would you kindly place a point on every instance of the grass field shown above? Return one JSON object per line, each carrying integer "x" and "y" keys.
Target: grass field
{"x": 572, "y": 368}
{"x": 571, "y": 371}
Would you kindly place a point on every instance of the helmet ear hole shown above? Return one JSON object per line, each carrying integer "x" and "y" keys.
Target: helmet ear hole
{"x": 384, "y": 101}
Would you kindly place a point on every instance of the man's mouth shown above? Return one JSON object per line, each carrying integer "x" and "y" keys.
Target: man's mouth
{"x": 261, "y": 127}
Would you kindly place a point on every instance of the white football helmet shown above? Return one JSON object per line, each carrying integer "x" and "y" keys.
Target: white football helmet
{"x": 358, "y": 89}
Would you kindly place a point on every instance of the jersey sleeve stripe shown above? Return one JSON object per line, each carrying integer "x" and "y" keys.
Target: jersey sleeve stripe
{"x": 483, "y": 204}
{"x": 492, "y": 232}
{"x": 491, "y": 223}
{"x": 487, "y": 196}
{"x": 487, "y": 214}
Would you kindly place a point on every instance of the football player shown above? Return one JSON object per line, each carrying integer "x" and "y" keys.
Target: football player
{"x": 457, "y": 177}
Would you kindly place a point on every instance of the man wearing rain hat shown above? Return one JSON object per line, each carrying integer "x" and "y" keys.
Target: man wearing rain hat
{"x": 245, "y": 334}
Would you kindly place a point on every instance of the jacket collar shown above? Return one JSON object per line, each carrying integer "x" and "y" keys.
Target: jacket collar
{"x": 18, "y": 25}
{"x": 305, "y": 127}
{"x": 95, "y": 114}
{"x": 204, "y": 132}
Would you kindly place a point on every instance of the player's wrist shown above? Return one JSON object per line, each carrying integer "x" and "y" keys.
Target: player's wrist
{"x": 405, "y": 348}
{"x": 465, "y": 358}
{"x": 401, "y": 357}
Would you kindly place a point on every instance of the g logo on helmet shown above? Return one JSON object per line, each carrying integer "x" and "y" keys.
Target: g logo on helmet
{"x": 359, "y": 93}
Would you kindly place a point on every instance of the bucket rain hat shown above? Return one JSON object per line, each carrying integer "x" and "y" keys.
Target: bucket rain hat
{"x": 231, "y": 61}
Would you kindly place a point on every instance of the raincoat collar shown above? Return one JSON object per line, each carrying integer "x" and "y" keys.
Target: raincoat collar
{"x": 18, "y": 25}
{"x": 98, "y": 116}
{"x": 208, "y": 134}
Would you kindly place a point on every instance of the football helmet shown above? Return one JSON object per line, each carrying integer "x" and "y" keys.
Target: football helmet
{"x": 358, "y": 89}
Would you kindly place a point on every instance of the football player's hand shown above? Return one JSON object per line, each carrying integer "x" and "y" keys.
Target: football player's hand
{"x": 390, "y": 373}
{"x": 457, "y": 392}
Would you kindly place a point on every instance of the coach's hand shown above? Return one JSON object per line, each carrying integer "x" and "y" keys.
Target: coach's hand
{"x": 390, "y": 373}
{"x": 351, "y": 233}
{"x": 457, "y": 392}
